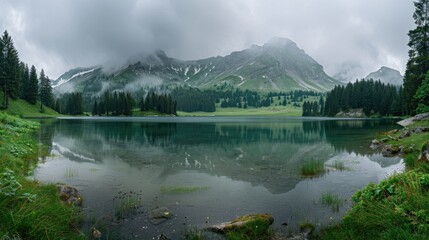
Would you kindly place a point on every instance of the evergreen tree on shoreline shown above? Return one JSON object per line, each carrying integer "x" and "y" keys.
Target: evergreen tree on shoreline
{"x": 418, "y": 62}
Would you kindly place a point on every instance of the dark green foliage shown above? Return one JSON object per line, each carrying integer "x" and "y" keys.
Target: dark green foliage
{"x": 116, "y": 104}
{"x": 372, "y": 96}
{"x": 33, "y": 87}
{"x": 161, "y": 103}
{"x": 418, "y": 62}
{"x": 311, "y": 109}
{"x": 25, "y": 78}
{"x": 9, "y": 70}
{"x": 70, "y": 103}
{"x": 422, "y": 96}
{"x": 46, "y": 96}
{"x": 194, "y": 100}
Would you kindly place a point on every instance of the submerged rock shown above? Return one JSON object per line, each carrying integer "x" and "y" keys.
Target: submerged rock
{"x": 240, "y": 222}
{"x": 159, "y": 215}
{"x": 69, "y": 195}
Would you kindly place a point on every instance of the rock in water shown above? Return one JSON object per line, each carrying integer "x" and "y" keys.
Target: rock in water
{"x": 69, "y": 195}
{"x": 159, "y": 215}
{"x": 240, "y": 222}
{"x": 390, "y": 150}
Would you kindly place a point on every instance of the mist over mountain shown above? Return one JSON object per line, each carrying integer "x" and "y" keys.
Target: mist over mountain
{"x": 278, "y": 65}
{"x": 387, "y": 75}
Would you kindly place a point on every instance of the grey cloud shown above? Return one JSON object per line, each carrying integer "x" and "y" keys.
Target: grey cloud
{"x": 58, "y": 35}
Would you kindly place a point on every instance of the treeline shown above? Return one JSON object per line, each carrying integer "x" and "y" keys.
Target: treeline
{"x": 313, "y": 108}
{"x": 115, "y": 104}
{"x": 162, "y": 103}
{"x": 374, "y": 97}
{"x": 194, "y": 99}
{"x": 70, "y": 103}
{"x": 17, "y": 80}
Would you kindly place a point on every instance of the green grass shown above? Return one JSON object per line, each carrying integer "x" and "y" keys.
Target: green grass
{"x": 28, "y": 209}
{"x": 183, "y": 189}
{"x": 193, "y": 233}
{"x": 397, "y": 207}
{"x": 24, "y": 109}
{"x": 289, "y": 111}
{"x": 332, "y": 201}
{"x": 312, "y": 168}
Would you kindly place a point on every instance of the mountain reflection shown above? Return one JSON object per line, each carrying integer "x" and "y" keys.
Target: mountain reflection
{"x": 252, "y": 151}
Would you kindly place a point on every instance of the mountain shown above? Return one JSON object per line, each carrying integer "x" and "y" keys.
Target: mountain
{"x": 387, "y": 75}
{"x": 278, "y": 65}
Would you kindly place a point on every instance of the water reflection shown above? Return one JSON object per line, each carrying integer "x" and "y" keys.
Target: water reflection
{"x": 249, "y": 164}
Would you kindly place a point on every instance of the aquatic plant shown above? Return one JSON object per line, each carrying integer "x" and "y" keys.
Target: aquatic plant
{"x": 127, "y": 203}
{"x": 312, "y": 168}
{"x": 183, "y": 189}
{"x": 71, "y": 173}
{"x": 332, "y": 201}
{"x": 193, "y": 233}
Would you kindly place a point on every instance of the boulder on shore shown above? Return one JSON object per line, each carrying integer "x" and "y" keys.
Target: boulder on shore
{"x": 240, "y": 222}
{"x": 390, "y": 150}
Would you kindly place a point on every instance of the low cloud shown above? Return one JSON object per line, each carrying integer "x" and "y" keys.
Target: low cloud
{"x": 59, "y": 35}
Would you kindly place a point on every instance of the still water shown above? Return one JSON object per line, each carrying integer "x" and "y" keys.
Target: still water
{"x": 209, "y": 170}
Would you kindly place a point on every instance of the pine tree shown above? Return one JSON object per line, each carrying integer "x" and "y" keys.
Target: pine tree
{"x": 422, "y": 96}
{"x": 9, "y": 69}
{"x": 33, "y": 86}
{"x": 46, "y": 96}
{"x": 418, "y": 62}
{"x": 25, "y": 78}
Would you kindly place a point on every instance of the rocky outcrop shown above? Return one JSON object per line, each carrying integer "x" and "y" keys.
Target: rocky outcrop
{"x": 69, "y": 195}
{"x": 419, "y": 117}
{"x": 240, "y": 222}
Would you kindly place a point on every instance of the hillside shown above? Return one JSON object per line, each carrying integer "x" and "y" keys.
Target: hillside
{"x": 387, "y": 75}
{"x": 278, "y": 65}
{"x": 24, "y": 109}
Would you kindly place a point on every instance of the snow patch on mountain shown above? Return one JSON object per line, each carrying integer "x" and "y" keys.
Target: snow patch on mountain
{"x": 62, "y": 81}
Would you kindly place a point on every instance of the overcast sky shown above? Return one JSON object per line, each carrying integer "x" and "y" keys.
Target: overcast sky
{"x": 359, "y": 35}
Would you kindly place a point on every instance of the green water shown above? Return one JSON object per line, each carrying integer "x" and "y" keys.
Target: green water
{"x": 209, "y": 170}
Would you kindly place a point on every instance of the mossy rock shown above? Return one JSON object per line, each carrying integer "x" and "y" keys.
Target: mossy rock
{"x": 240, "y": 222}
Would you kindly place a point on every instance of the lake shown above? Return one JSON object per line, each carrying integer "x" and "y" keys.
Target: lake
{"x": 207, "y": 170}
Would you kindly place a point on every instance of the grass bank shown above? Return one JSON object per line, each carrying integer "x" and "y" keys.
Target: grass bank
{"x": 397, "y": 207}
{"x": 28, "y": 209}
{"x": 24, "y": 109}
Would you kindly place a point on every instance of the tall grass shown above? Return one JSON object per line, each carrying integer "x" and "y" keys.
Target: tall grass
{"x": 313, "y": 168}
{"x": 28, "y": 210}
{"x": 332, "y": 201}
